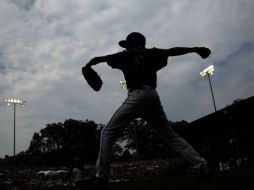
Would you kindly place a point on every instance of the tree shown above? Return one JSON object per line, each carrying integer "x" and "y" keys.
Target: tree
{"x": 143, "y": 140}
{"x": 59, "y": 142}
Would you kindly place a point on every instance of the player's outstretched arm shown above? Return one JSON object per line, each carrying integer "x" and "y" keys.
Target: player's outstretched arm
{"x": 96, "y": 60}
{"x": 201, "y": 51}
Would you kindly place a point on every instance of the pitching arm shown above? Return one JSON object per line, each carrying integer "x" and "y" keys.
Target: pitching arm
{"x": 201, "y": 51}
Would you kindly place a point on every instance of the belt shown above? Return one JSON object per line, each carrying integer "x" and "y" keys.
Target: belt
{"x": 142, "y": 87}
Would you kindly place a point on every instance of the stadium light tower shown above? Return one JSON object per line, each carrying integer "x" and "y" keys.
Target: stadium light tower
{"x": 207, "y": 72}
{"x": 14, "y": 102}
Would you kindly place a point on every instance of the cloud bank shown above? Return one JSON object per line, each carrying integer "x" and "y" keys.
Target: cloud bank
{"x": 44, "y": 44}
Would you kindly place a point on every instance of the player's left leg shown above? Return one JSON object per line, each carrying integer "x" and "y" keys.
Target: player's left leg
{"x": 157, "y": 118}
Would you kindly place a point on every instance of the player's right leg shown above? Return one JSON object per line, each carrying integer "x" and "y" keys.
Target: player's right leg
{"x": 121, "y": 118}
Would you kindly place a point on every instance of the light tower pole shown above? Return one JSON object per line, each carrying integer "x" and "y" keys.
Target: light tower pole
{"x": 207, "y": 72}
{"x": 10, "y": 101}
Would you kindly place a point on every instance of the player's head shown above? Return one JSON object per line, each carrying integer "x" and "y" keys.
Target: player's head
{"x": 133, "y": 40}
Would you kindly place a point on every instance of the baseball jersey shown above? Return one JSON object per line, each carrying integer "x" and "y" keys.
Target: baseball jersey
{"x": 139, "y": 66}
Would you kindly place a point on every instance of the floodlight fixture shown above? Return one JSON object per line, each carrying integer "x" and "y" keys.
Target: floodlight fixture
{"x": 207, "y": 71}
{"x": 10, "y": 101}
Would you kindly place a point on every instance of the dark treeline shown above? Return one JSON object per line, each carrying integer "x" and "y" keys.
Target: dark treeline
{"x": 219, "y": 136}
{"x": 59, "y": 143}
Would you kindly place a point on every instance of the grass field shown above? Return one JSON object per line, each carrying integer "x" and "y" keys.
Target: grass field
{"x": 237, "y": 179}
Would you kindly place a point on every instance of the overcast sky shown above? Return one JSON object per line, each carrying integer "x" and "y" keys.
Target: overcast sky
{"x": 44, "y": 44}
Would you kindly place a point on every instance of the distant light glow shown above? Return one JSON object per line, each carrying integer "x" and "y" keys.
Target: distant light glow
{"x": 122, "y": 83}
{"x": 208, "y": 70}
{"x": 10, "y": 101}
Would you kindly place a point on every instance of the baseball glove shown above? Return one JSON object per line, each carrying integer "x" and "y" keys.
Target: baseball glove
{"x": 203, "y": 52}
{"x": 92, "y": 78}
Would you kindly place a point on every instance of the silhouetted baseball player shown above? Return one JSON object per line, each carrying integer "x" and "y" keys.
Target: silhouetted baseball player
{"x": 139, "y": 66}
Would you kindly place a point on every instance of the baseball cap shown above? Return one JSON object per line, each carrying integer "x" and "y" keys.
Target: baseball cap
{"x": 133, "y": 38}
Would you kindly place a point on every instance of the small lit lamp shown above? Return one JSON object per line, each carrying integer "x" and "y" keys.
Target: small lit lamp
{"x": 122, "y": 83}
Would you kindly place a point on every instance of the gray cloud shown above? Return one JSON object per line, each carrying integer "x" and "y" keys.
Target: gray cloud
{"x": 24, "y": 4}
{"x": 45, "y": 43}
{"x": 2, "y": 66}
